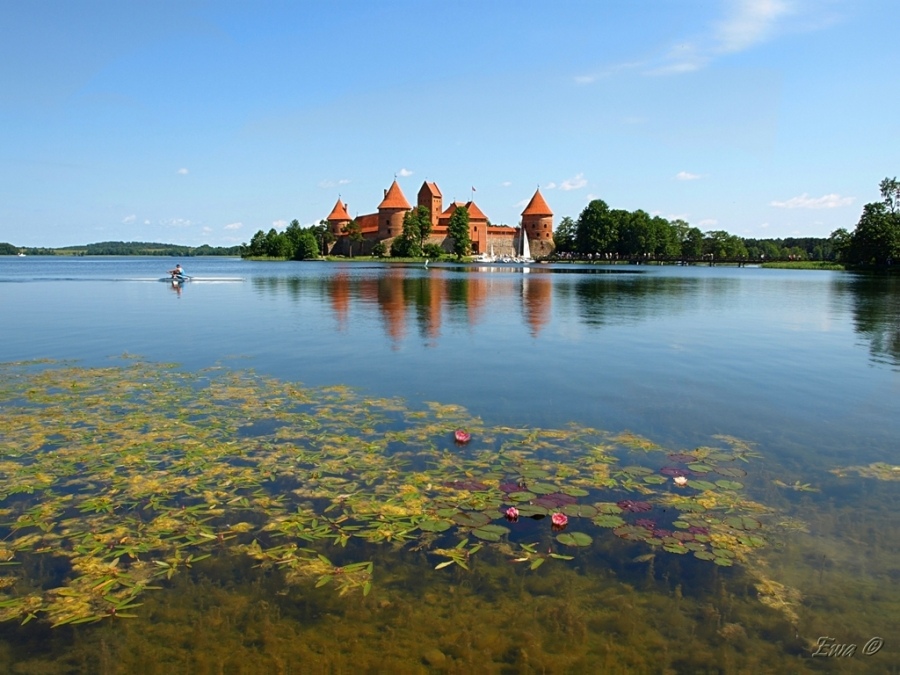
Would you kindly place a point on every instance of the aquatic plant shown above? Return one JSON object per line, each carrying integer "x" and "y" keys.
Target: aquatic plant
{"x": 110, "y": 486}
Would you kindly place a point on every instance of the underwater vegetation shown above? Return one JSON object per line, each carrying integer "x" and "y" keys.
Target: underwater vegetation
{"x": 113, "y": 480}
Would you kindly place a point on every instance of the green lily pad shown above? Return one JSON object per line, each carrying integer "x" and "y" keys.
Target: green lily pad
{"x": 471, "y": 519}
{"x": 704, "y": 555}
{"x": 608, "y": 507}
{"x": 431, "y": 525}
{"x": 574, "y": 539}
{"x": 729, "y": 484}
{"x": 702, "y": 485}
{"x": 724, "y": 562}
{"x": 580, "y": 510}
{"x": 535, "y": 473}
{"x": 700, "y": 468}
{"x": 490, "y": 532}
{"x": 521, "y": 496}
{"x": 528, "y": 510}
{"x": 730, "y": 471}
{"x": 681, "y": 524}
{"x": 608, "y": 520}
{"x": 675, "y": 547}
{"x": 637, "y": 470}
{"x": 574, "y": 492}
{"x": 743, "y": 522}
{"x": 543, "y": 488}
{"x": 655, "y": 480}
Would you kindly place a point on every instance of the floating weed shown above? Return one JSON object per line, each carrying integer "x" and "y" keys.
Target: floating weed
{"x": 118, "y": 485}
{"x": 877, "y": 470}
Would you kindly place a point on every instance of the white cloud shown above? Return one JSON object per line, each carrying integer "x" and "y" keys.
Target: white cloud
{"x": 206, "y": 229}
{"x": 751, "y": 22}
{"x": 129, "y": 219}
{"x": 279, "y": 224}
{"x": 234, "y": 226}
{"x": 404, "y": 173}
{"x": 708, "y": 222}
{"x": 550, "y": 186}
{"x": 146, "y": 222}
{"x": 522, "y": 204}
{"x": 804, "y": 201}
{"x": 575, "y": 183}
{"x": 763, "y": 226}
{"x": 744, "y": 25}
{"x": 176, "y": 222}
{"x": 685, "y": 175}
{"x": 506, "y": 183}
{"x": 678, "y": 216}
{"x": 183, "y": 172}
{"x": 331, "y": 183}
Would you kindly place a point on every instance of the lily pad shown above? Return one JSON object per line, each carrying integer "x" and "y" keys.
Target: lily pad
{"x": 743, "y": 522}
{"x": 521, "y": 496}
{"x": 531, "y": 510}
{"x": 699, "y": 467}
{"x": 575, "y": 492}
{"x": 729, "y": 484}
{"x": 608, "y": 507}
{"x": 574, "y": 539}
{"x": 580, "y": 510}
{"x": 543, "y": 488}
{"x": 431, "y": 525}
{"x": 608, "y": 520}
{"x": 704, "y": 555}
{"x": 702, "y": 485}
{"x": 490, "y": 532}
{"x": 655, "y": 480}
{"x": 471, "y": 519}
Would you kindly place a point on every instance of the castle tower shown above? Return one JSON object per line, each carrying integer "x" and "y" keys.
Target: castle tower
{"x": 537, "y": 222}
{"x": 338, "y": 218}
{"x": 391, "y": 211}
{"x": 431, "y": 198}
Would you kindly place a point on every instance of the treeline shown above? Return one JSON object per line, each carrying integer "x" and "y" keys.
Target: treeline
{"x": 295, "y": 243}
{"x": 617, "y": 234}
{"x": 875, "y": 241}
{"x": 125, "y": 248}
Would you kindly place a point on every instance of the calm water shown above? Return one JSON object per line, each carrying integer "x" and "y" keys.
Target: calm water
{"x": 806, "y": 365}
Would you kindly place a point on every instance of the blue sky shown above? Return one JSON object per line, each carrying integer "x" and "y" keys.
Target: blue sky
{"x": 203, "y": 122}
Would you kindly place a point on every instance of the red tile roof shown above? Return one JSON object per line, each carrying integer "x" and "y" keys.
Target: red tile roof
{"x": 537, "y": 206}
{"x": 394, "y": 199}
{"x": 339, "y": 212}
{"x": 432, "y": 188}
{"x": 475, "y": 212}
{"x": 368, "y": 223}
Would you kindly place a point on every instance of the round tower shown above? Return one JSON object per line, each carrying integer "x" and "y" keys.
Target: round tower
{"x": 391, "y": 211}
{"x": 537, "y": 223}
{"x": 338, "y": 218}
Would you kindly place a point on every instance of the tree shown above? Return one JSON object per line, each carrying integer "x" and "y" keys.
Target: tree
{"x": 564, "y": 236}
{"x": 458, "y": 229}
{"x": 277, "y": 245}
{"x": 323, "y": 234}
{"x": 353, "y": 230}
{"x": 423, "y": 218}
{"x": 596, "y": 230}
{"x": 876, "y": 239}
{"x": 8, "y": 249}
{"x": 379, "y": 250}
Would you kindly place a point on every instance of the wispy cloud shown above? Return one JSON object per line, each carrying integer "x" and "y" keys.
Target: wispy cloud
{"x": 404, "y": 173}
{"x": 575, "y": 183}
{"x": 234, "y": 226}
{"x": 744, "y": 24}
{"x": 707, "y": 222}
{"x": 685, "y": 175}
{"x": 549, "y": 186}
{"x": 182, "y": 172}
{"x": 176, "y": 222}
{"x": 333, "y": 183}
{"x": 506, "y": 183}
{"x": 279, "y": 224}
{"x": 804, "y": 201}
{"x": 129, "y": 219}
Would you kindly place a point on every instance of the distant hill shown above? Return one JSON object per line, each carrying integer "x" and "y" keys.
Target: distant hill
{"x": 127, "y": 248}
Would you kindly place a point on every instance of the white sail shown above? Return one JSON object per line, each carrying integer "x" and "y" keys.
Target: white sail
{"x": 526, "y": 249}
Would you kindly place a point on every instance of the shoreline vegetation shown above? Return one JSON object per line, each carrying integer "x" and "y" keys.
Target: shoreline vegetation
{"x": 600, "y": 234}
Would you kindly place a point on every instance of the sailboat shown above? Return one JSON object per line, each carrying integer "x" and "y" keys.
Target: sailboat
{"x": 485, "y": 257}
{"x": 526, "y": 249}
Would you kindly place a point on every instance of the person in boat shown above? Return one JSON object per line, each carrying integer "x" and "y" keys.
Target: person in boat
{"x": 178, "y": 272}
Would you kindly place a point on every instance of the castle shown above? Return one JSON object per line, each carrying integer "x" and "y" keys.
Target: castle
{"x": 387, "y": 223}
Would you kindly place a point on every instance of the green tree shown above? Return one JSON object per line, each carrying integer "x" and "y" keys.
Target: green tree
{"x": 324, "y": 236}
{"x": 564, "y": 236}
{"x": 277, "y": 245}
{"x": 8, "y": 249}
{"x": 458, "y": 229}
{"x": 353, "y": 230}
{"x": 379, "y": 250}
{"x": 306, "y": 247}
{"x": 596, "y": 230}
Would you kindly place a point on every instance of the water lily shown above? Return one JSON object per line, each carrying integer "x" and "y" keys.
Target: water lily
{"x": 512, "y": 514}
{"x": 680, "y": 481}
{"x": 462, "y": 436}
{"x": 559, "y": 520}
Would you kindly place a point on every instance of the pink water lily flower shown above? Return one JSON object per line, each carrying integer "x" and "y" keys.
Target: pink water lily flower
{"x": 559, "y": 520}
{"x": 462, "y": 436}
{"x": 512, "y": 514}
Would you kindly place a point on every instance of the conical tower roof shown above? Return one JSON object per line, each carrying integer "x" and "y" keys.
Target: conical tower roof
{"x": 339, "y": 212}
{"x": 394, "y": 199}
{"x": 475, "y": 212}
{"x": 537, "y": 206}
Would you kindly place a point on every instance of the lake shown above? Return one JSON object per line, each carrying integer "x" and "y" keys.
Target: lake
{"x": 721, "y": 442}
